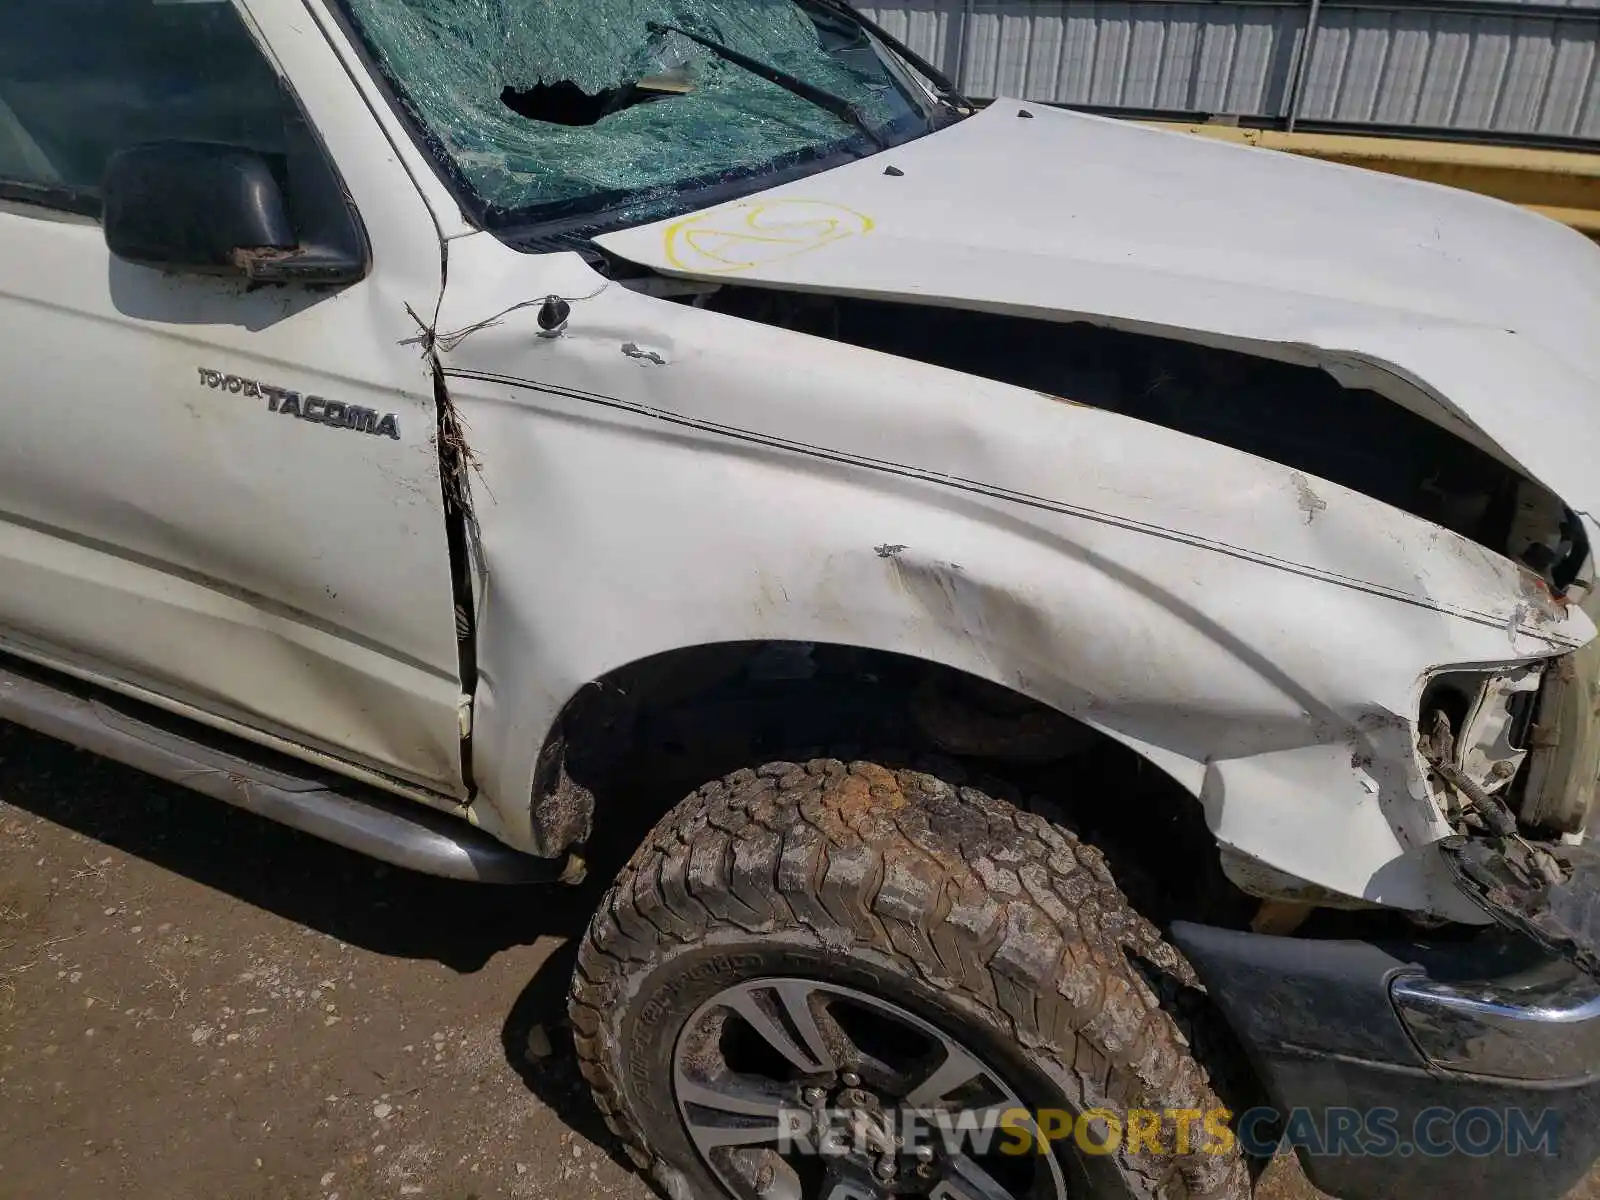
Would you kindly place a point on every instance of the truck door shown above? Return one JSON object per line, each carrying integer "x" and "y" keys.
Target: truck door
{"x": 219, "y": 493}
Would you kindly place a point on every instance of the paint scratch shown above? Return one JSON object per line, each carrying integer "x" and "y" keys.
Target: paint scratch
{"x": 1310, "y": 503}
{"x": 633, "y": 351}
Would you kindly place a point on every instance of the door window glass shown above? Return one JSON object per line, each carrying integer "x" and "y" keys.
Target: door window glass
{"x": 82, "y": 79}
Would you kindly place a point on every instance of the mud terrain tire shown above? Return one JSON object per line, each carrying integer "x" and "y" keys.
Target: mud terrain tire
{"x": 984, "y": 920}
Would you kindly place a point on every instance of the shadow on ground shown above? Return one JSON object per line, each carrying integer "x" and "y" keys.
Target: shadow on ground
{"x": 382, "y": 910}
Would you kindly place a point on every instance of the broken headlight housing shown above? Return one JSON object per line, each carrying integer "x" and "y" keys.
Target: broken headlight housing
{"x": 1473, "y": 732}
{"x": 1516, "y": 749}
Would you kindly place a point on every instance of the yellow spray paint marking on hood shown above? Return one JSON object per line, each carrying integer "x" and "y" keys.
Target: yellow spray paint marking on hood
{"x": 743, "y": 236}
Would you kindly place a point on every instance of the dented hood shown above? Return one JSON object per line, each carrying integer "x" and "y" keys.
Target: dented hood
{"x": 1480, "y": 316}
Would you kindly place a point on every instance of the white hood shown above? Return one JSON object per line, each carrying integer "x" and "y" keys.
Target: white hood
{"x": 1427, "y": 294}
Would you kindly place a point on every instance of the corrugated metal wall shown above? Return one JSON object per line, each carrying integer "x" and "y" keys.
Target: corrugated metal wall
{"x": 1507, "y": 69}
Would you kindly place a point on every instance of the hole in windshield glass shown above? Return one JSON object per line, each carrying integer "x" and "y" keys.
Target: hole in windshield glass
{"x": 563, "y": 103}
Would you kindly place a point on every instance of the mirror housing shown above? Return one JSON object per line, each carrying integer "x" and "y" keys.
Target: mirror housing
{"x": 209, "y": 209}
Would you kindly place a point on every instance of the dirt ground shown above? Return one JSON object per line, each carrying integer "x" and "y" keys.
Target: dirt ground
{"x": 198, "y": 1004}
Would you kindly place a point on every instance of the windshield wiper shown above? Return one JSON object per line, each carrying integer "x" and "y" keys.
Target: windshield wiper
{"x": 827, "y": 101}
{"x": 941, "y": 82}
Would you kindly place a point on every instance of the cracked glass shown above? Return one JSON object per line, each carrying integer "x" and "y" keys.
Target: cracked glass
{"x": 545, "y": 107}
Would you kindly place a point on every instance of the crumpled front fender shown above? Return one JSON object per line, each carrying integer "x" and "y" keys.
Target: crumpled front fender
{"x": 660, "y": 476}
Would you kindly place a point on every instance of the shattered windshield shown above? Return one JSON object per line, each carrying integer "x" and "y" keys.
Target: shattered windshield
{"x": 550, "y": 107}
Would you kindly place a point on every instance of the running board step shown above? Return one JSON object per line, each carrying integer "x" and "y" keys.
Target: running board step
{"x": 393, "y": 831}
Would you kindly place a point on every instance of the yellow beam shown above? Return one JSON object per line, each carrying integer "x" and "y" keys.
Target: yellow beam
{"x": 1561, "y": 184}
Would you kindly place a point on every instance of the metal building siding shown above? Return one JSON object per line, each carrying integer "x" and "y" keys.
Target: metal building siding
{"x": 1504, "y": 74}
{"x": 1471, "y": 66}
{"x": 930, "y": 27}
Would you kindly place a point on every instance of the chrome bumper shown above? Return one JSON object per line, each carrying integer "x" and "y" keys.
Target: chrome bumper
{"x": 1543, "y": 1025}
{"x": 1409, "y": 1031}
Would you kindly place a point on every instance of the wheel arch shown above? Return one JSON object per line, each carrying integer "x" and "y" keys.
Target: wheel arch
{"x": 799, "y": 697}
{"x": 590, "y": 763}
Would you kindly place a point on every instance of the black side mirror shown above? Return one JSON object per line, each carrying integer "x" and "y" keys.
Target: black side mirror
{"x": 204, "y": 208}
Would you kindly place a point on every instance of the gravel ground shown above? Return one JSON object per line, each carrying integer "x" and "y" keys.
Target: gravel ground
{"x": 198, "y": 1004}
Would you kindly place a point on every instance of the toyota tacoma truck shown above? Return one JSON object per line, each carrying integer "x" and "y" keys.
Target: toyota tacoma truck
{"x": 1081, "y": 633}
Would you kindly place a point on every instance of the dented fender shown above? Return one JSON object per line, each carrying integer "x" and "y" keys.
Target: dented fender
{"x": 1261, "y": 635}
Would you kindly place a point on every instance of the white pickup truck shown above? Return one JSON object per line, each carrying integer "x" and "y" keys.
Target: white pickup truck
{"x": 1118, "y": 605}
